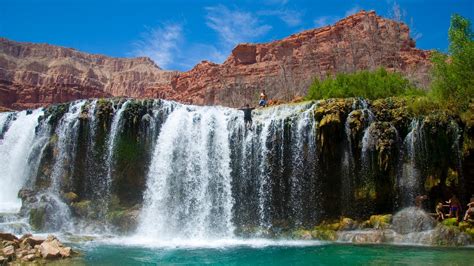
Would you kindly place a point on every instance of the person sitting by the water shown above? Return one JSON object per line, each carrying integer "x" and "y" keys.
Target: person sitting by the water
{"x": 263, "y": 99}
{"x": 247, "y": 115}
{"x": 454, "y": 206}
{"x": 470, "y": 211}
{"x": 439, "y": 212}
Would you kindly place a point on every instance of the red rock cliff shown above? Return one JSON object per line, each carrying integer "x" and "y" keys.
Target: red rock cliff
{"x": 35, "y": 74}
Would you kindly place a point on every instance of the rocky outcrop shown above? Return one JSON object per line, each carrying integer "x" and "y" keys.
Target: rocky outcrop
{"x": 38, "y": 74}
{"x": 31, "y": 249}
{"x": 33, "y": 75}
{"x": 286, "y": 67}
{"x": 409, "y": 226}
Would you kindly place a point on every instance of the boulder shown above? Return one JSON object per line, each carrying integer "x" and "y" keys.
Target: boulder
{"x": 8, "y": 251}
{"x": 65, "y": 252}
{"x": 50, "y": 248}
{"x": 29, "y": 257}
{"x": 411, "y": 220}
{"x": 347, "y": 224}
{"x": 37, "y": 218}
{"x": 380, "y": 221}
{"x": 322, "y": 233}
{"x": 33, "y": 241}
{"x": 21, "y": 253}
{"x": 302, "y": 234}
{"x": 25, "y": 236}
{"x": 8, "y": 237}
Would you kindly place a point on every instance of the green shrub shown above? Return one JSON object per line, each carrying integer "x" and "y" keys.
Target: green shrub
{"x": 367, "y": 84}
{"x": 453, "y": 75}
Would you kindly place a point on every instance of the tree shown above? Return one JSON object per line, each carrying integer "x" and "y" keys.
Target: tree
{"x": 453, "y": 74}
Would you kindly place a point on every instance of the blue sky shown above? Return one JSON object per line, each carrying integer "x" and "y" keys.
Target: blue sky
{"x": 178, "y": 34}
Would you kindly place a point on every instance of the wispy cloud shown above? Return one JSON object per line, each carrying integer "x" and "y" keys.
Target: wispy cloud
{"x": 276, "y": 2}
{"x": 329, "y": 20}
{"x": 397, "y": 13}
{"x": 352, "y": 10}
{"x": 234, "y": 26}
{"x": 324, "y": 21}
{"x": 160, "y": 44}
{"x": 290, "y": 17}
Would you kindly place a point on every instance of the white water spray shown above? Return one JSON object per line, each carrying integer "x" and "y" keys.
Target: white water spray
{"x": 15, "y": 148}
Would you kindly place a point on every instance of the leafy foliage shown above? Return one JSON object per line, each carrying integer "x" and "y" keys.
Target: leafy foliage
{"x": 453, "y": 81}
{"x": 367, "y": 84}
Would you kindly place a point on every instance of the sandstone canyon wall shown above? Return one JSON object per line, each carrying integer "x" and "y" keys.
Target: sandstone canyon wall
{"x": 38, "y": 74}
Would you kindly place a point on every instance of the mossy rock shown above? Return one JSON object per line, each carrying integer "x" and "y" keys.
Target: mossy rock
{"x": 82, "y": 208}
{"x": 450, "y": 236}
{"x": 324, "y": 234}
{"x": 470, "y": 232}
{"x": 464, "y": 226}
{"x": 331, "y": 106}
{"x": 70, "y": 197}
{"x": 347, "y": 224}
{"x": 55, "y": 112}
{"x": 302, "y": 234}
{"x": 380, "y": 221}
{"x": 125, "y": 220}
{"x": 356, "y": 121}
{"x": 450, "y": 222}
{"x": 37, "y": 218}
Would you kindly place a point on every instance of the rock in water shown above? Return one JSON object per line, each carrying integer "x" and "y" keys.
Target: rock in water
{"x": 411, "y": 220}
{"x": 51, "y": 248}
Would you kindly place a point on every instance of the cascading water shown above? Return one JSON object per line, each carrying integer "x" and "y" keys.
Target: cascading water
{"x": 410, "y": 178}
{"x": 188, "y": 192}
{"x": 188, "y": 172}
{"x": 193, "y": 182}
{"x": 111, "y": 143}
{"x": 66, "y": 132}
{"x": 15, "y": 148}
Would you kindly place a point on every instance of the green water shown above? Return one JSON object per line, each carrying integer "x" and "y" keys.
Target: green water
{"x": 325, "y": 254}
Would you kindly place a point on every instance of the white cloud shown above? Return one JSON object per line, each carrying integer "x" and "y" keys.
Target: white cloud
{"x": 290, "y": 17}
{"x": 329, "y": 20}
{"x": 324, "y": 21}
{"x": 352, "y": 11}
{"x": 234, "y": 26}
{"x": 276, "y": 2}
{"x": 195, "y": 53}
{"x": 160, "y": 44}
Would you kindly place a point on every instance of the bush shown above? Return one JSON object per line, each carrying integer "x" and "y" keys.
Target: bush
{"x": 453, "y": 75}
{"x": 371, "y": 85}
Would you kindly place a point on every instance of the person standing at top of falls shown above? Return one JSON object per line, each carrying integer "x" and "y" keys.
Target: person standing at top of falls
{"x": 247, "y": 115}
{"x": 263, "y": 99}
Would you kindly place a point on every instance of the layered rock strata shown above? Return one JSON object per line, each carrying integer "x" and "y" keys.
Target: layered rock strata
{"x": 34, "y": 75}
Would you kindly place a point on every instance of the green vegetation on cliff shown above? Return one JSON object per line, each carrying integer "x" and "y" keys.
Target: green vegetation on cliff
{"x": 453, "y": 75}
{"x": 366, "y": 84}
{"x": 453, "y": 78}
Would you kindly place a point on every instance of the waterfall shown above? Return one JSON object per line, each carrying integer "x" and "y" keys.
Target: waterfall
{"x": 15, "y": 148}
{"x": 111, "y": 144}
{"x": 66, "y": 132}
{"x": 171, "y": 171}
{"x": 188, "y": 185}
{"x": 304, "y": 155}
{"x": 194, "y": 188}
{"x": 410, "y": 178}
